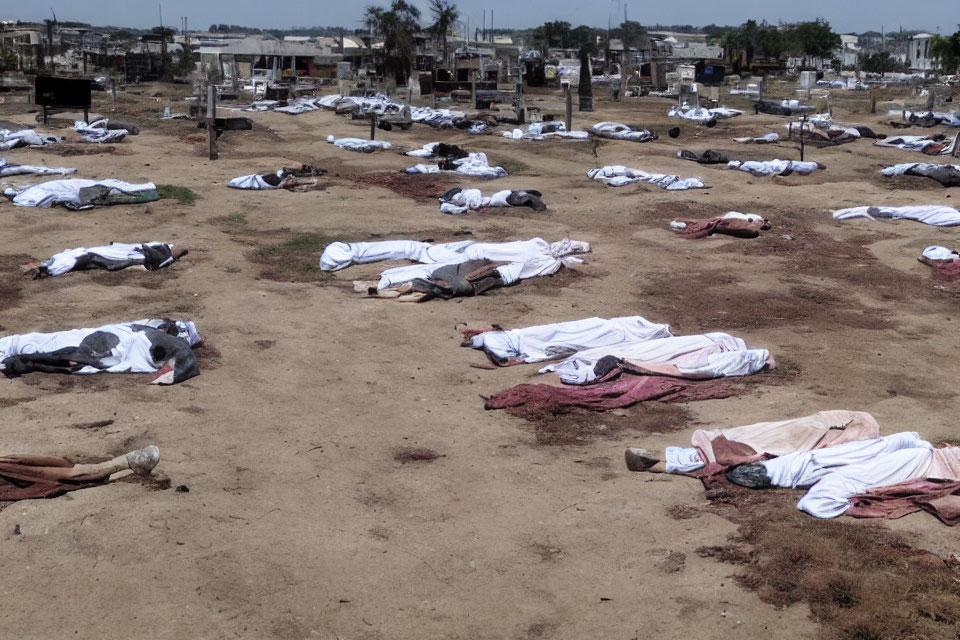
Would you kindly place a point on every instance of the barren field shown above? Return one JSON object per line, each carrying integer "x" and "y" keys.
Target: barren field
{"x": 344, "y": 479}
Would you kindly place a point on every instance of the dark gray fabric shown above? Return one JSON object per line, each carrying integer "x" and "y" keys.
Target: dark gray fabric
{"x": 752, "y": 476}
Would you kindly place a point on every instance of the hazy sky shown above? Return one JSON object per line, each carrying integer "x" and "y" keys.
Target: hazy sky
{"x": 844, "y": 16}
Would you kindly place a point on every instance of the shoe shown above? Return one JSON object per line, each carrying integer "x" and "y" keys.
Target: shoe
{"x": 640, "y": 459}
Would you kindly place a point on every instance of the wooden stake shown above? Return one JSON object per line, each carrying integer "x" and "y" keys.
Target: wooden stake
{"x": 569, "y": 119}
{"x": 212, "y": 121}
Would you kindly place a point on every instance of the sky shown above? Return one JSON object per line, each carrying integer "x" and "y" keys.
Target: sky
{"x": 843, "y": 16}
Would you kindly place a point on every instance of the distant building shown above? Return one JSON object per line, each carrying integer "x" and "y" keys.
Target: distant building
{"x": 849, "y": 51}
{"x": 920, "y": 59}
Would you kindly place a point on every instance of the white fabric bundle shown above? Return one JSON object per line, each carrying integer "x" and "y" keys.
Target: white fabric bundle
{"x": 254, "y": 182}
{"x": 937, "y": 252}
{"x": 944, "y": 118}
{"x": 766, "y": 138}
{"x": 730, "y": 215}
{"x": 25, "y": 138}
{"x": 97, "y": 131}
{"x": 13, "y": 169}
{"x": 907, "y": 143}
{"x": 893, "y": 170}
{"x": 702, "y": 114}
{"x": 475, "y": 164}
{"x": 64, "y": 262}
{"x": 620, "y": 131}
{"x": 473, "y": 200}
{"x": 67, "y": 192}
{"x": 932, "y": 214}
{"x": 773, "y": 167}
{"x": 711, "y": 355}
{"x": 559, "y": 340}
{"x": 359, "y": 144}
{"x": 840, "y": 472}
{"x": 131, "y": 355}
{"x": 526, "y": 258}
{"x": 619, "y": 175}
{"x": 544, "y": 130}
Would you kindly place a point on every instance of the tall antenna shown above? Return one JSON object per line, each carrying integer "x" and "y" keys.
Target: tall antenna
{"x": 160, "y": 8}
{"x": 491, "y": 26}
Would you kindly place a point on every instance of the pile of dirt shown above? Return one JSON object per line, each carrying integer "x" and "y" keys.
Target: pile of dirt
{"x": 860, "y": 580}
{"x": 419, "y": 187}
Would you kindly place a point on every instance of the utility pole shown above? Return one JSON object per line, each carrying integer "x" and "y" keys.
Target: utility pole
{"x": 491, "y": 26}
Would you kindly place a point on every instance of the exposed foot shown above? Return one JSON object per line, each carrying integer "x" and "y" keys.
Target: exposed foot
{"x": 640, "y": 459}
{"x": 143, "y": 461}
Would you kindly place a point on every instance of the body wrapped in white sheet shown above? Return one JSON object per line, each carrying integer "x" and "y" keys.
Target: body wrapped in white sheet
{"x": 710, "y": 355}
{"x": 560, "y": 340}
{"x": 932, "y": 214}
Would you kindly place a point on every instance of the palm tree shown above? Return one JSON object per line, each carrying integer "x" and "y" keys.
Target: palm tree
{"x": 445, "y": 14}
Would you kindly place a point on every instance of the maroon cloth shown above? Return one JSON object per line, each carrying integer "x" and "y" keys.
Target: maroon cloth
{"x": 25, "y": 477}
{"x": 950, "y": 268}
{"x": 724, "y": 226}
{"x": 937, "y": 497}
{"x": 623, "y": 391}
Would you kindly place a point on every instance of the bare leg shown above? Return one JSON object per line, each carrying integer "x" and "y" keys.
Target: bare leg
{"x": 140, "y": 462}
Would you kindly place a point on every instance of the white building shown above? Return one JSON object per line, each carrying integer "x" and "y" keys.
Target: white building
{"x": 849, "y": 51}
{"x": 920, "y": 59}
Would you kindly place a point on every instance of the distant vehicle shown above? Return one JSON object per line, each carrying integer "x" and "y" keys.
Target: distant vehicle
{"x": 99, "y": 83}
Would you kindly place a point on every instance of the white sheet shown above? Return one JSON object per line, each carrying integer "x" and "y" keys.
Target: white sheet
{"x": 254, "y": 182}
{"x": 131, "y": 355}
{"x": 475, "y": 164}
{"x": 14, "y": 169}
{"x": 97, "y": 131}
{"x": 932, "y": 214}
{"x": 621, "y": 131}
{"x": 619, "y": 175}
{"x": 47, "y": 194}
{"x": 710, "y": 355}
{"x": 473, "y": 200}
{"x": 562, "y": 339}
{"x": 526, "y": 258}
{"x": 766, "y": 138}
{"x": 63, "y": 262}
{"x": 937, "y": 252}
{"x": 773, "y": 167}
{"x": 25, "y": 138}
{"x": 359, "y": 144}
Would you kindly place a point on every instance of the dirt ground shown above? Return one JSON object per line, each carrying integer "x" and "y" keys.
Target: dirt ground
{"x": 338, "y": 475}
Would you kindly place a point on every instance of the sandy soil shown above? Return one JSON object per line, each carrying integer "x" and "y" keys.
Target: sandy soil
{"x": 306, "y": 518}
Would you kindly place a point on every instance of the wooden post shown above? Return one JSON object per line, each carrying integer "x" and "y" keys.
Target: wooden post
{"x": 373, "y": 126}
{"x": 956, "y": 146}
{"x": 212, "y": 121}
{"x": 568, "y": 121}
{"x": 873, "y": 101}
{"x": 803, "y": 122}
{"x": 113, "y": 92}
{"x": 473, "y": 94}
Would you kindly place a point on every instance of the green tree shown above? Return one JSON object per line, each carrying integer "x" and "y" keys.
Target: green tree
{"x": 551, "y": 35}
{"x": 630, "y": 33}
{"x": 815, "y": 38}
{"x": 946, "y": 51}
{"x": 445, "y": 15}
{"x": 397, "y": 25}
{"x": 881, "y": 62}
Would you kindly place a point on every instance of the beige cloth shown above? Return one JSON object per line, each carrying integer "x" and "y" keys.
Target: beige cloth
{"x": 822, "y": 429}
{"x": 945, "y": 464}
